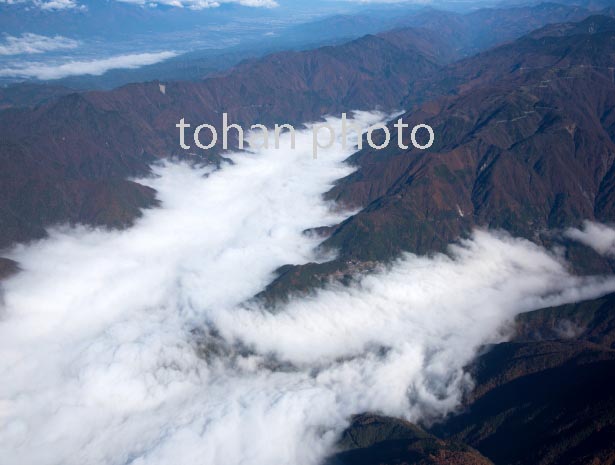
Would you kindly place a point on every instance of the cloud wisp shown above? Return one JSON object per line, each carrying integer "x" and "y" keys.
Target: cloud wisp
{"x": 61, "y": 5}
{"x": 29, "y": 43}
{"x": 599, "y": 237}
{"x": 203, "y": 4}
{"x": 96, "y": 67}
{"x": 48, "y": 5}
{"x": 138, "y": 346}
{"x": 57, "y": 5}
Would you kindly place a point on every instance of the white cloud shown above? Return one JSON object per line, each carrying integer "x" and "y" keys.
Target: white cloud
{"x": 202, "y": 4}
{"x": 73, "y": 68}
{"x": 134, "y": 346}
{"x": 35, "y": 43}
{"x": 48, "y": 5}
{"x": 413, "y": 2}
{"x": 599, "y": 237}
{"x": 57, "y": 5}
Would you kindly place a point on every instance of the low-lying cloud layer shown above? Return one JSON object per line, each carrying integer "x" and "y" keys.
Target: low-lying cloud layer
{"x": 96, "y": 67}
{"x": 138, "y": 347}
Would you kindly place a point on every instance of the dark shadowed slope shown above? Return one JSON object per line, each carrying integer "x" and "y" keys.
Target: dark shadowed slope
{"x": 373, "y": 439}
{"x": 546, "y": 397}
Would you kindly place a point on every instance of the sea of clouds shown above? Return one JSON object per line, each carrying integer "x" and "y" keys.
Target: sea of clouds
{"x": 143, "y": 347}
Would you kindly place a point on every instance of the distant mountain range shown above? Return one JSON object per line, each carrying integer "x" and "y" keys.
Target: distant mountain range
{"x": 213, "y": 42}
